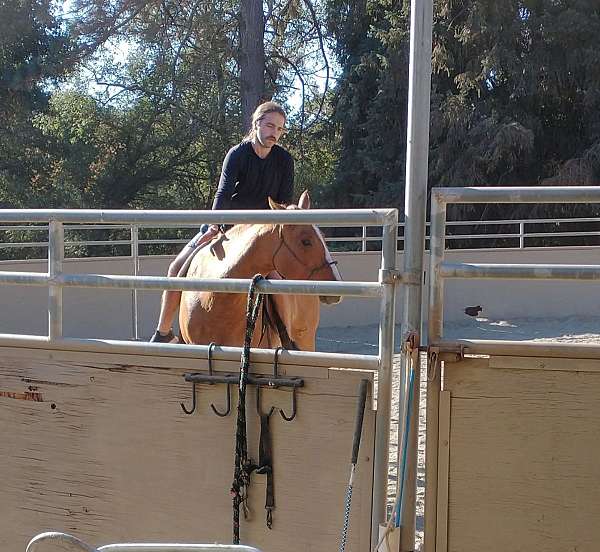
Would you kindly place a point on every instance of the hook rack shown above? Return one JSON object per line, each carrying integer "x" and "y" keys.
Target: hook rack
{"x": 271, "y": 381}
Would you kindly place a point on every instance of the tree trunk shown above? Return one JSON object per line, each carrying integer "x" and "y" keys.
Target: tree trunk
{"x": 251, "y": 58}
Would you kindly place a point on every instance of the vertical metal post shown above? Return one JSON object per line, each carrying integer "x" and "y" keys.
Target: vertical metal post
{"x": 521, "y": 235}
{"x": 56, "y": 253}
{"x": 435, "y": 330}
{"x": 134, "y": 292}
{"x": 415, "y": 207}
{"x": 364, "y": 239}
{"x": 384, "y": 380}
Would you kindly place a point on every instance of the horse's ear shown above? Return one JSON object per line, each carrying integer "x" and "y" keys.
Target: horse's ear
{"x": 304, "y": 201}
{"x": 274, "y": 205}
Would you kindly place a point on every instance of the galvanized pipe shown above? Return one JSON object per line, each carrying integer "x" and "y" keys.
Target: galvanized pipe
{"x": 520, "y": 271}
{"x": 415, "y": 205}
{"x": 224, "y": 285}
{"x": 524, "y": 194}
{"x": 136, "y": 266}
{"x": 325, "y": 217}
{"x": 56, "y": 252}
{"x": 301, "y": 358}
{"x": 384, "y": 378}
{"x": 435, "y": 329}
{"x": 26, "y": 278}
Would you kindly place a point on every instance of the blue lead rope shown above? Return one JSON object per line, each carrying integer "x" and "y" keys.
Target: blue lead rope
{"x": 398, "y": 512}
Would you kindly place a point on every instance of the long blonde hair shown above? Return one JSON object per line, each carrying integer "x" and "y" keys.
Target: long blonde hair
{"x": 262, "y": 110}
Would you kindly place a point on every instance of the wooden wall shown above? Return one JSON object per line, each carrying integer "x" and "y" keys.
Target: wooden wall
{"x": 519, "y": 451}
{"x": 97, "y": 445}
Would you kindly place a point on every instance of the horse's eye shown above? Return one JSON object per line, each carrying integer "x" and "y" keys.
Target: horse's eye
{"x": 306, "y": 242}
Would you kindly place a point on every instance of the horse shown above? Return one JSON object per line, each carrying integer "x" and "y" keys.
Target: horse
{"x": 287, "y": 251}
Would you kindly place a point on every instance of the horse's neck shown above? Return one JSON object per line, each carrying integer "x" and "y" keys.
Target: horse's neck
{"x": 255, "y": 247}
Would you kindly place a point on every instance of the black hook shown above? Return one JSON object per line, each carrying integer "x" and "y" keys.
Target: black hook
{"x": 193, "y": 401}
{"x": 290, "y": 418}
{"x": 276, "y": 362}
{"x": 210, "y": 348}
{"x": 223, "y": 414}
{"x": 258, "y": 409}
{"x": 210, "y": 373}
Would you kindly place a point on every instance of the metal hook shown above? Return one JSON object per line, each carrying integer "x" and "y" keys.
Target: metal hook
{"x": 276, "y": 362}
{"x": 210, "y": 348}
{"x": 193, "y": 401}
{"x": 223, "y": 414}
{"x": 258, "y": 409}
{"x": 283, "y": 415}
{"x": 211, "y": 345}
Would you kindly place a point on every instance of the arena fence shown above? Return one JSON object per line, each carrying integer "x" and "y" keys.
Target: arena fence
{"x": 134, "y": 240}
{"x": 56, "y": 280}
{"x": 438, "y": 406}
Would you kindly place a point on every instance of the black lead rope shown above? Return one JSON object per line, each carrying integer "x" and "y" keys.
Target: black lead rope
{"x": 243, "y": 466}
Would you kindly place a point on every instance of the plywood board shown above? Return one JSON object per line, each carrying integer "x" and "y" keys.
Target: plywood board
{"x": 98, "y": 446}
{"x": 524, "y": 447}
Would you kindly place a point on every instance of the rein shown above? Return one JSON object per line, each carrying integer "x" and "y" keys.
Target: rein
{"x": 271, "y": 318}
{"x": 312, "y": 271}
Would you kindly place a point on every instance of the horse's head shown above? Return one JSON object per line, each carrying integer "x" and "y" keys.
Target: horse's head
{"x": 302, "y": 253}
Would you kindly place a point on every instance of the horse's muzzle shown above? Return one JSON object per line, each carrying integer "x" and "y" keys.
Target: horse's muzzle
{"x": 330, "y": 299}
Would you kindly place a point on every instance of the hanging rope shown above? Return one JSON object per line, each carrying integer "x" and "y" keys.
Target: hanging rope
{"x": 243, "y": 466}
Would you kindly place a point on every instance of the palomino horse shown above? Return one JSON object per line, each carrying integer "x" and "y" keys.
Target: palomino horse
{"x": 291, "y": 251}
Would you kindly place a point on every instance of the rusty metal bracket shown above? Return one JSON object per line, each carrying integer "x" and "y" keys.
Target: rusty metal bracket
{"x": 390, "y": 276}
{"x": 447, "y": 353}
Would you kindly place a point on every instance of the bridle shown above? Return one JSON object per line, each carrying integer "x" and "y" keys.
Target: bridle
{"x": 312, "y": 271}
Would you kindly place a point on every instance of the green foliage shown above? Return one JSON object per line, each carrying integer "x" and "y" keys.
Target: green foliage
{"x": 370, "y": 101}
{"x": 515, "y": 96}
{"x": 34, "y": 52}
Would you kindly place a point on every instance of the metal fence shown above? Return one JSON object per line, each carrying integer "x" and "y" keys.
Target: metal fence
{"x": 440, "y": 270}
{"x": 20, "y": 241}
{"x": 385, "y": 289}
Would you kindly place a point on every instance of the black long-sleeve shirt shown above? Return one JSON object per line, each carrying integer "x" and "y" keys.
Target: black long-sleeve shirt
{"x": 247, "y": 181}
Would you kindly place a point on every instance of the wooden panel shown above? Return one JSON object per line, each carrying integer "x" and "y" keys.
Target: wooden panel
{"x": 98, "y": 446}
{"x": 441, "y": 533}
{"x": 524, "y": 449}
{"x": 545, "y": 363}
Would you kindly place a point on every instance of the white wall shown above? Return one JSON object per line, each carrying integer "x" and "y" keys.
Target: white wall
{"x": 105, "y": 313}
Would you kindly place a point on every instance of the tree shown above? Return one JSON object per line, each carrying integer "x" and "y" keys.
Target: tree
{"x": 34, "y": 52}
{"x": 514, "y": 95}
{"x": 370, "y": 101}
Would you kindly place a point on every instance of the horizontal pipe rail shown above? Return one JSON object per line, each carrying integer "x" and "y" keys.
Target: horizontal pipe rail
{"x": 325, "y": 217}
{"x": 526, "y": 194}
{"x": 518, "y": 348}
{"x": 224, "y": 285}
{"x": 520, "y": 271}
{"x": 285, "y": 357}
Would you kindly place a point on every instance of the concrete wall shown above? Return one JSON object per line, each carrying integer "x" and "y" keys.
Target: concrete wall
{"x": 108, "y": 313}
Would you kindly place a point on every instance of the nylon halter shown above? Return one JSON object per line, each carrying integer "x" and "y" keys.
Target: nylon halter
{"x": 325, "y": 264}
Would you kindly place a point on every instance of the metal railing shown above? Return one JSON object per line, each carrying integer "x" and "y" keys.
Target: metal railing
{"x": 440, "y": 270}
{"x": 384, "y": 289}
{"x": 470, "y": 234}
{"x": 65, "y": 540}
